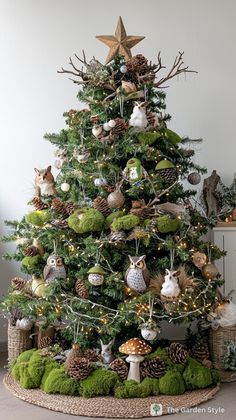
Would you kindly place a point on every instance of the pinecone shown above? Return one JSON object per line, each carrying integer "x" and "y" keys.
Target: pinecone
{"x": 177, "y": 353}
{"x": 120, "y": 127}
{"x": 91, "y": 355}
{"x": 117, "y": 238}
{"x": 18, "y": 283}
{"x": 153, "y": 368}
{"x": 45, "y": 342}
{"x": 120, "y": 367}
{"x": 62, "y": 224}
{"x": 137, "y": 65}
{"x": 31, "y": 251}
{"x": 101, "y": 205}
{"x": 59, "y": 207}
{"x": 79, "y": 368}
{"x": 200, "y": 351}
{"x": 75, "y": 352}
{"x": 140, "y": 209}
{"x": 70, "y": 207}
{"x": 168, "y": 174}
{"x": 39, "y": 204}
{"x": 81, "y": 289}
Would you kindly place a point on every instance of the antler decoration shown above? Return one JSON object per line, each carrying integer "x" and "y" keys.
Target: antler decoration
{"x": 77, "y": 72}
{"x": 175, "y": 70}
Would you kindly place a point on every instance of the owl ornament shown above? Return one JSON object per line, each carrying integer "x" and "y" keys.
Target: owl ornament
{"x": 134, "y": 171}
{"x": 137, "y": 276}
{"x": 54, "y": 269}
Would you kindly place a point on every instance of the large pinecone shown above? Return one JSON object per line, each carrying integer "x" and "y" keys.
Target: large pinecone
{"x": 120, "y": 127}
{"x": 137, "y": 65}
{"x": 154, "y": 368}
{"x": 38, "y": 203}
{"x": 81, "y": 289}
{"x": 117, "y": 238}
{"x": 18, "y": 283}
{"x": 91, "y": 355}
{"x": 45, "y": 342}
{"x": 62, "y": 224}
{"x": 74, "y": 353}
{"x": 59, "y": 207}
{"x": 31, "y": 251}
{"x": 79, "y": 368}
{"x": 70, "y": 207}
{"x": 101, "y": 205}
{"x": 168, "y": 174}
{"x": 177, "y": 353}
{"x": 200, "y": 351}
{"x": 120, "y": 367}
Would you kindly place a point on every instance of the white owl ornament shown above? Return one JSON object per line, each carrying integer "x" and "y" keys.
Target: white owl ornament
{"x": 170, "y": 288}
{"x": 54, "y": 269}
{"x": 137, "y": 276}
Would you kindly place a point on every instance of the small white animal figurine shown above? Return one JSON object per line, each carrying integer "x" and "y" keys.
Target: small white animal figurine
{"x": 138, "y": 117}
{"x": 170, "y": 287}
{"x": 61, "y": 156}
{"x": 106, "y": 353}
{"x": 223, "y": 313}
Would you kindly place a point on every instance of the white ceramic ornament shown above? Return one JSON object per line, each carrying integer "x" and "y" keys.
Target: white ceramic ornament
{"x": 100, "y": 182}
{"x": 123, "y": 69}
{"x": 106, "y": 126}
{"x": 138, "y": 117}
{"x": 170, "y": 287}
{"x": 97, "y": 130}
{"x": 149, "y": 332}
{"x": 65, "y": 187}
{"x": 112, "y": 123}
{"x": 24, "y": 324}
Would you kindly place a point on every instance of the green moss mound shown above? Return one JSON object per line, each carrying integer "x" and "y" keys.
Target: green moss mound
{"x": 125, "y": 223}
{"x": 133, "y": 389}
{"x": 166, "y": 224}
{"x": 58, "y": 382}
{"x": 100, "y": 382}
{"x": 26, "y": 381}
{"x": 196, "y": 375}
{"x": 112, "y": 217}
{"x": 215, "y": 376}
{"x": 38, "y": 218}
{"x": 22, "y": 358}
{"x": 173, "y": 137}
{"x": 148, "y": 138}
{"x": 86, "y": 220}
{"x": 171, "y": 383}
{"x": 30, "y": 262}
{"x": 50, "y": 365}
{"x": 36, "y": 367}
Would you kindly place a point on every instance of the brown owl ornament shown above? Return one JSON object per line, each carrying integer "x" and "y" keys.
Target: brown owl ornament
{"x": 137, "y": 276}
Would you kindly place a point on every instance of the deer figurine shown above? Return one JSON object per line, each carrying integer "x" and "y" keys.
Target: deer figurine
{"x": 106, "y": 352}
{"x": 223, "y": 312}
{"x": 170, "y": 288}
{"x": 138, "y": 117}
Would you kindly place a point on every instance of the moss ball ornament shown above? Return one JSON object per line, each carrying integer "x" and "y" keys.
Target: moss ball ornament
{"x": 30, "y": 262}
{"x": 96, "y": 275}
{"x": 86, "y": 220}
{"x": 38, "y": 218}
{"x": 166, "y": 224}
{"x": 173, "y": 137}
{"x": 125, "y": 223}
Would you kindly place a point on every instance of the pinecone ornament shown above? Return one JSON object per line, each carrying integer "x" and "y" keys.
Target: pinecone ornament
{"x": 200, "y": 351}
{"x": 120, "y": 367}
{"x": 62, "y": 224}
{"x": 119, "y": 128}
{"x": 18, "y": 283}
{"x": 39, "y": 204}
{"x": 153, "y": 368}
{"x": 177, "y": 353}
{"x": 79, "y": 368}
{"x": 31, "y": 251}
{"x": 81, "y": 289}
{"x": 59, "y": 207}
{"x": 137, "y": 65}
{"x": 117, "y": 238}
{"x": 70, "y": 207}
{"x": 91, "y": 355}
{"x": 45, "y": 342}
{"x": 101, "y": 205}
{"x": 75, "y": 352}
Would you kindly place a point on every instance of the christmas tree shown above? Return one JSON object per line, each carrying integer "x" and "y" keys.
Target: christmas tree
{"x": 114, "y": 245}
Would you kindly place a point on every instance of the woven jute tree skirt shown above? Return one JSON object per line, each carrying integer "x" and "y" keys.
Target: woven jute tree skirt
{"x": 108, "y": 406}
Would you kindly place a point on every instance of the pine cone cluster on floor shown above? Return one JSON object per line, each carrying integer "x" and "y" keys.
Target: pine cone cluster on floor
{"x": 79, "y": 368}
{"x": 18, "y": 283}
{"x": 81, "y": 289}
{"x": 45, "y": 342}
{"x": 31, "y": 251}
{"x": 38, "y": 204}
{"x": 153, "y": 368}
{"x": 177, "y": 353}
{"x": 200, "y": 351}
{"x": 91, "y": 355}
{"x": 101, "y": 205}
{"x": 120, "y": 367}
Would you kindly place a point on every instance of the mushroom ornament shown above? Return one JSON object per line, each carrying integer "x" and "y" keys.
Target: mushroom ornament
{"x": 135, "y": 348}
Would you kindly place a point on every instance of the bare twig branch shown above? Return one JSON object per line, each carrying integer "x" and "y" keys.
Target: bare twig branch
{"x": 175, "y": 70}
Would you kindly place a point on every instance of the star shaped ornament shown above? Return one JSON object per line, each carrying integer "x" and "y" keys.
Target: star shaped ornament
{"x": 119, "y": 43}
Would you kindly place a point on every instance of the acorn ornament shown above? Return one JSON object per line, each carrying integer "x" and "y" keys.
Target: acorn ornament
{"x": 194, "y": 178}
{"x": 115, "y": 199}
{"x": 210, "y": 271}
{"x": 167, "y": 170}
{"x": 134, "y": 171}
{"x": 96, "y": 275}
{"x": 149, "y": 330}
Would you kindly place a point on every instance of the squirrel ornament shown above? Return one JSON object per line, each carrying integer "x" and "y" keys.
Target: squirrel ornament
{"x": 44, "y": 182}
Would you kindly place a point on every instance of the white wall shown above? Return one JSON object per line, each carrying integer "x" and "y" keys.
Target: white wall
{"x": 37, "y": 37}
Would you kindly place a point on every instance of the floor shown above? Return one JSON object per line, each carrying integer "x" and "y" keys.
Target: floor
{"x": 11, "y": 408}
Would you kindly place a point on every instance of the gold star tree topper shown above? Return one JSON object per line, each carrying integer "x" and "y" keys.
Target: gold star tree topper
{"x": 119, "y": 43}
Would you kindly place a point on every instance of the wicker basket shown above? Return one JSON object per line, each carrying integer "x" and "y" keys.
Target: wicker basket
{"x": 18, "y": 341}
{"x": 40, "y": 332}
{"x": 217, "y": 339}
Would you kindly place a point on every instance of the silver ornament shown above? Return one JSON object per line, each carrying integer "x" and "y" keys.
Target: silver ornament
{"x": 123, "y": 69}
{"x": 194, "y": 178}
{"x": 115, "y": 200}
